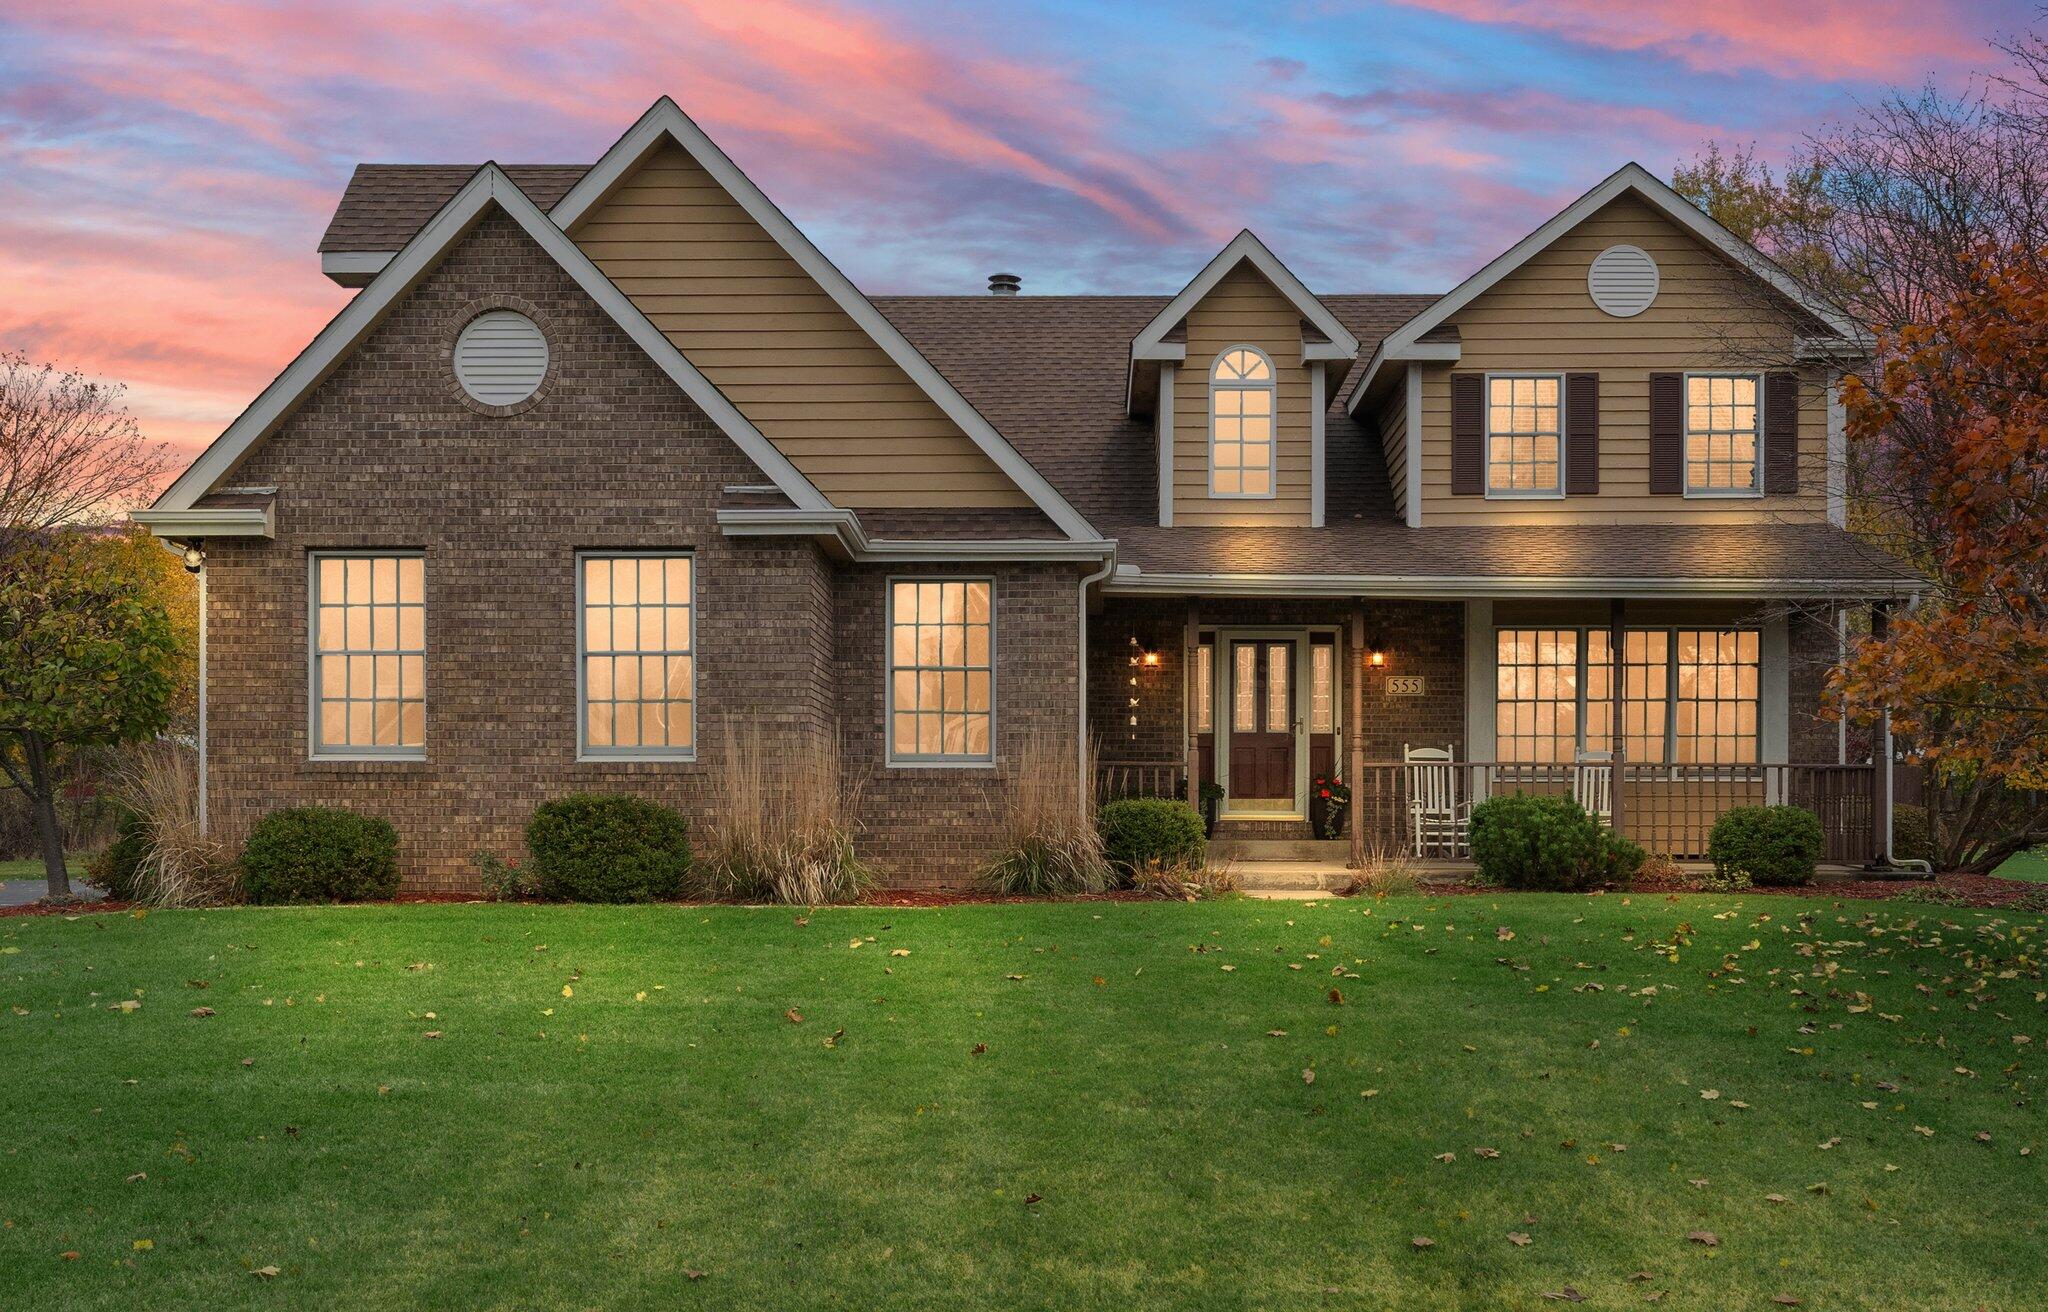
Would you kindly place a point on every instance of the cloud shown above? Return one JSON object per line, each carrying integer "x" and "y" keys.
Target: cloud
{"x": 1881, "y": 39}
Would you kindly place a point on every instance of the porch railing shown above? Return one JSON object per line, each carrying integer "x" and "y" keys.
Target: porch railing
{"x": 1669, "y": 809}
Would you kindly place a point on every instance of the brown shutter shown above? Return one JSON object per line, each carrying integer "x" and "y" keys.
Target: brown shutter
{"x": 1468, "y": 436}
{"x": 1582, "y": 434}
{"x": 1781, "y": 434}
{"x": 1667, "y": 435}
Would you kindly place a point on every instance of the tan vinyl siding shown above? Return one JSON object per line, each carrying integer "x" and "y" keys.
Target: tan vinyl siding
{"x": 797, "y": 366}
{"x": 1394, "y": 441}
{"x": 1540, "y": 318}
{"x": 1243, "y": 309}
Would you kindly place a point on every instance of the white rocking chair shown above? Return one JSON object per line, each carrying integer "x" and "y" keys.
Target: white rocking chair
{"x": 1593, "y": 785}
{"x": 1438, "y": 820}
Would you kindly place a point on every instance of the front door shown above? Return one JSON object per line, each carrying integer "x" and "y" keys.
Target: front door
{"x": 1262, "y": 724}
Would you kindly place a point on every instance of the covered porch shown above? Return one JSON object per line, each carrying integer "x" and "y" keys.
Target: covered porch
{"x": 1248, "y": 707}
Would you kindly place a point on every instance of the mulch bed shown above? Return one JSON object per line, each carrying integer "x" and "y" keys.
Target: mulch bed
{"x": 1966, "y": 890}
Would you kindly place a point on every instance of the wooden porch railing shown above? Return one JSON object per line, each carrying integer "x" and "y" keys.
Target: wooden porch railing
{"x": 1669, "y": 809}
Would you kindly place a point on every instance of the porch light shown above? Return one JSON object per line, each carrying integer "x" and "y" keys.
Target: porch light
{"x": 1149, "y": 659}
{"x": 1377, "y": 659}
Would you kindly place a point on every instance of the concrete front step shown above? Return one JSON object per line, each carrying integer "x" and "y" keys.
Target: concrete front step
{"x": 1330, "y": 851}
{"x": 1275, "y": 877}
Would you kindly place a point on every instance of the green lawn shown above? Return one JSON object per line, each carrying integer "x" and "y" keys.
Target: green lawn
{"x": 2027, "y": 865}
{"x": 32, "y": 868}
{"x": 1068, "y": 1106}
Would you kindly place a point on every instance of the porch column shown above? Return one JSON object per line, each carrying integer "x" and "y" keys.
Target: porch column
{"x": 1881, "y": 757}
{"x": 1354, "y": 730}
{"x": 1616, "y": 636}
{"x": 1191, "y": 662}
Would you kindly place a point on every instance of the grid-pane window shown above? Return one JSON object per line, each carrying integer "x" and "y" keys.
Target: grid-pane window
{"x": 639, "y": 656}
{"x": 1322, "y": 697}
{"x": 369, "y": 655}
{"x": 1721, "y": 433}
{"x": 1689, "y": 696}
{"x": 941, "y": 670}
{"x": 1537, "y": 694}
{"x": 1524, "y": 435}
{"x": 1241, "y": 399}
{"x": 1714, "y": 705}
{"x": 1205, "y": 688}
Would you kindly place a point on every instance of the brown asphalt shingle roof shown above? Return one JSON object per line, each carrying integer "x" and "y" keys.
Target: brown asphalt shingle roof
{"x": 385, "y": 204}
{"x": 1050, "y": 373}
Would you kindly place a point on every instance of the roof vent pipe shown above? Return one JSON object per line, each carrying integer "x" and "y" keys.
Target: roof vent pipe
{"x": 1004, "y": 284}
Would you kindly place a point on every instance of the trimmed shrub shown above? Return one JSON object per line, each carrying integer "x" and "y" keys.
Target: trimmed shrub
{"x": 1776, "y": 846}
{"x": 115, "y": 870}
{"x": 607, "y": 847}
{"x": 1152, "y": 831}
{"x": 1525, "y": 841}
{"x": 320, "y": 854}
{"x": 1912, "y": 835}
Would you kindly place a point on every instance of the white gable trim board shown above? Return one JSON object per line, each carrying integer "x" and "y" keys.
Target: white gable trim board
{"x": 1149, "y": 344}
{"x": 1405, "y": 343}
{"x": 420, "y": 256}
{"x": 665, "y": 121}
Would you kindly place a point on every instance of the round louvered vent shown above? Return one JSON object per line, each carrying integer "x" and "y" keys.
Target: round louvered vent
{"x": 501, "y": 357}
{"x": 1623, "y": 281}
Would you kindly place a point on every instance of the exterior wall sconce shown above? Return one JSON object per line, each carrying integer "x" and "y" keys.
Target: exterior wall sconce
{"x": 1377, "y": 659}
{"x": 1149, "y": 660}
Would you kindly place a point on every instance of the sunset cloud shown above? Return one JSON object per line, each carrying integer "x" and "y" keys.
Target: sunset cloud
{"x": 166, "y": 166}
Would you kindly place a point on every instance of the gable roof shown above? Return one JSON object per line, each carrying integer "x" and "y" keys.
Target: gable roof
{"x": 385, "y": 204}
{"x": 665, "y": 122}
{"x": 1413, "y": 340}
{"x": 1153, "y": 343}
{"x": 488, "y": 187}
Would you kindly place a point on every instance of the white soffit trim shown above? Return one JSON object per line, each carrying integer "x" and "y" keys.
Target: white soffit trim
{"x": 353, "y": 265}
{"x": 1131, "y": 581}
{"x": 464, "y": 210}
{"x": 1148, "y": 344}
{"x": 1852, "y": 335}
{"x": 1419, "y": 353}
{"x": 844, "y": 528}
{"x": 210, "y": 522}
{"x": 665, "y": 120}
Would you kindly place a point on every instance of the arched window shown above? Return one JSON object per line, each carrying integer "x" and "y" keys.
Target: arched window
{"x": 1241, "y": 393}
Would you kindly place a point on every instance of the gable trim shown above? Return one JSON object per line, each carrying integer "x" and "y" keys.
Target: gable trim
{"x": 665, "y": 121}
{"x": 1404, "y": 343}
{"x": 489, "y": 186}
{"x": 1149, "y": 344}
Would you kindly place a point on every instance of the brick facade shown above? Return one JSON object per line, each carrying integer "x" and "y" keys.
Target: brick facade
{"x": 388, "y": 453}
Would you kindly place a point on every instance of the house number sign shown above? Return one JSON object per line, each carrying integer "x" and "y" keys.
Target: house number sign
{"x": 1405, "y": 685}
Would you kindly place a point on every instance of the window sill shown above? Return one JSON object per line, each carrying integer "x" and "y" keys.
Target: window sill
{"x": 363, "y": 764}
{"x": 939, "y": 765}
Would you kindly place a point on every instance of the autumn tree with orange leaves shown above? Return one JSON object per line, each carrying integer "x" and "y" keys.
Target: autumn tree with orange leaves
{"x": 1957, "y": 421}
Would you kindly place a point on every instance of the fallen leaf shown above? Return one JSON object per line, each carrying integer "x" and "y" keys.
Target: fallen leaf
{"x": 1640, "y": 1276}
{"x": 1421, "y": 1242}
{"x": 431, "y": 1034}
{"x": 1784, "y": 1300}
{"x": 1336, "y": 998}
{"x": 200, "y": 1012}
{"x": 1488, "y": 1153}
{"x": 1705, "y": 1238}
{"x": 1565, "y": 1295}
{"x": 137, "y": 1178}
{"x": 1710, "y": 1094}
{"x": 793, "y": 1016}
{"x": 1276, "y": 1034}
{"x": 1776, "y": 1198}
{"x": 1697, "y": 1184}
{"x": 1518, "y": 1239}
{"x": 899, "y": 952}
{"x": 1447, "y": 1157}
{"x": 1308, "y": 1075}
{"x": 692, "y": 1273}
{"x": 1029, "y": 1199}
{"x": 977, "y": 1050}
{"x": 266, "y": 1273}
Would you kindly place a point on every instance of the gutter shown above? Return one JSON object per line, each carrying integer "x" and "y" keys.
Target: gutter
{"x": 1129, "y": 580}
{"x": 843, "y": 528}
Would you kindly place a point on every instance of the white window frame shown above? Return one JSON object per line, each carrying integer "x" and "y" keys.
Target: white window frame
{"x": 1271, "y": 387}
{"x": 1553, "y": 493}
{"x": 917, "y": 761}
{"x": 1618, "y": 671}
{"x": 354, "y": 752}
{"x": 584, "y": 750}
{"x": 1756, "y": 487}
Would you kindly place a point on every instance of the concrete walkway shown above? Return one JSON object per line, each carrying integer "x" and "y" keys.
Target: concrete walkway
{"x": 21, "y": 892}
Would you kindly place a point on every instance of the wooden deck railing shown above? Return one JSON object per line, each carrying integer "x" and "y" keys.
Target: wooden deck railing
{"x": 1669, "y": 809}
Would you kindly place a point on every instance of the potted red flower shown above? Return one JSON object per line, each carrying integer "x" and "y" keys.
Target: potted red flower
{"x": 1329, "y": 806}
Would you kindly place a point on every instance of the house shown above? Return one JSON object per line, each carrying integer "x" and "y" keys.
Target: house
{"x": 606, "y": 467}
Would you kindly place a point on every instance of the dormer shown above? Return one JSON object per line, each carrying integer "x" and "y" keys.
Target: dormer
{"x": 1234, "y": 372}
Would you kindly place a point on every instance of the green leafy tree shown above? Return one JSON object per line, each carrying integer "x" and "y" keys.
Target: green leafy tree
{"x": 88, "y": 658}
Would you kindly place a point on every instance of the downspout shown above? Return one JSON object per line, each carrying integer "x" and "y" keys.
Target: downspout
{"x": 201, "y": 734}
{"x": 1087, "y": 789}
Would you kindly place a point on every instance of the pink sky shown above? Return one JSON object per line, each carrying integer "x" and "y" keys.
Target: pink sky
{"x": 166, "y": 168}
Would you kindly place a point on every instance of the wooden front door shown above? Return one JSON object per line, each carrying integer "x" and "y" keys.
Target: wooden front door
{"x": 1262, "y": 720}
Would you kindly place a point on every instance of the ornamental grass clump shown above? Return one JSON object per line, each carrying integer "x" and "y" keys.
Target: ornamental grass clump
{"x": 1047, "y": 844}
{"x": 159, "y": 856}
{"x": 784, "y": 829}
